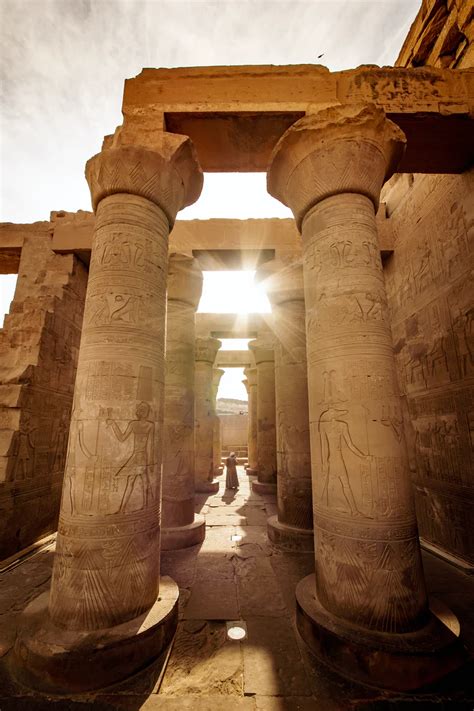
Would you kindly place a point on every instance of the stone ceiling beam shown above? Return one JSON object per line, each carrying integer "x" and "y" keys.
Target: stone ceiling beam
{"x": 235, "y": 115}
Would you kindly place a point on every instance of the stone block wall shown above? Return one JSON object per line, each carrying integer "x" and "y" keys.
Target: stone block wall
{"x": 431, "y": 298}
{"x": 38, "y": 357}
{"x": 430, "y": 281}
{"x": 234, "y": 431}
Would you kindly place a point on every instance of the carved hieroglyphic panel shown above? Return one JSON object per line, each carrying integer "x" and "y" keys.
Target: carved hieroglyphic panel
{"x": 38, "y": 356}
{"x": 430, "y": 296}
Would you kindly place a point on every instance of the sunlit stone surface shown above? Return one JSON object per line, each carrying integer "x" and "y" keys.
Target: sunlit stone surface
{"x": 180, "y": 527}
{"x": 263, "y": 351}
{"x": 205, "y": 355}
{"x": 329, "y": 168}
{"x": 293, "y": 526}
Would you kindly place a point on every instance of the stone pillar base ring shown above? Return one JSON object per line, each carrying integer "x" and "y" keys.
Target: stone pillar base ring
{"x": 289, "y": 538}
{"x": 184, "y": 536}
{"x": 264, "y": 487}
{"x": 56, "y": 660}
{"x": 400, "y": 662}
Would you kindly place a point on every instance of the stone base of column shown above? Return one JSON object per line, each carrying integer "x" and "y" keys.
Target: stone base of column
{"x": 207, "y": 487}
{"x": 400, "y": 662}
{"x": 263, "y": 487}
{"x": 251, "y": 472}
{"x": 52, "y": 659}
{"x": 289, "y": 538}
{"x": 184, "y": 536}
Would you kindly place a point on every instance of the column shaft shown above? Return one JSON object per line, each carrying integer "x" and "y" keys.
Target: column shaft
{"x": 108, "y": 533}
{"x": 251, "y": 374}
{"x": 206, "y": 350}
{"x": 216, "y": 447}
{"x": 181, "y": 528}
{"x": 266, "y": 417}
{"x": 364, "y": 514}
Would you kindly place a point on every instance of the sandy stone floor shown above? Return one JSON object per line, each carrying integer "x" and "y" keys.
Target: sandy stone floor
{"x": 224, "y": 579}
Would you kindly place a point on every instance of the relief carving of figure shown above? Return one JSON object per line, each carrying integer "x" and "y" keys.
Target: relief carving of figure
{"x": 124, "y": 309}
{"x": 25, "y": 450}
{"x": 463, "y": 331}
{"x": 422, "y": 275}
{"x": 335, "y": 437}
{"x": 136, "y": 469}
{"x": 78, "y": 451}
{"x": 60, "y": 444}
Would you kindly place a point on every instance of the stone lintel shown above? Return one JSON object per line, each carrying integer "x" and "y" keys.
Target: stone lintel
{"x": 255, "y": 105}
{"x": 235, "y": 359}
{"x": 72, "y": 233}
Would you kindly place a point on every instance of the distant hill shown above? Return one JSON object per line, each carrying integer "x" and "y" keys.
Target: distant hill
{"x": 228, "y": 406}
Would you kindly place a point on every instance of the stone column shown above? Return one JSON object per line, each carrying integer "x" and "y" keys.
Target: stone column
{"x": 245, "y": 383}
{"x": 108, "y": 614}
{"x": 292, "y": 527}
{"x": 365, "y": 610}
{"x": 180, "y": 526}
{"x": 251, "y": 374}
{"x": 206, "y": 351}
{"x": 217, "y": 447}
{"x": 266, "y": 432}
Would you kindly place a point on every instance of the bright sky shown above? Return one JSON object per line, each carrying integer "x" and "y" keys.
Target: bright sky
{"x": 231, "y": 382}
{"x": 232, "y": 293}
{"x": 64, "y": 63}
{"x": 231, "y": 385}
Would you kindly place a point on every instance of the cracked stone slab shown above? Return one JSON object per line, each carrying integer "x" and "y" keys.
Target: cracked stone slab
{"x": 204, "y": 662}
{"x": 260, "y": 596}
{"x": 213, "y": 600}
{"x": 180, "y": 565}
{"x": 213, "y": 566}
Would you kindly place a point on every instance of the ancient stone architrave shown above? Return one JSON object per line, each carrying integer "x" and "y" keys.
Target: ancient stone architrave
{"x": 263, "y": 350}
{"x": 39, "y": 345}
{"x": 204, "y": 415}
{"x": 180, "y": 527}
{"x": 251, "y": 374}
{"x": 217, "y": 374}
{"x": 329, "y": 168}
{"x": 292, "y": 527}
{"x": 106, "y": 566}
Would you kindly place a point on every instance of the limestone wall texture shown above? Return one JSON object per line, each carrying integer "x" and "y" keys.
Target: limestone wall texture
{"x": 429, "y": 281}
{"x": 38, "y": 356}
{"x": 441, "y": 36}
{"x": 234, "y": 431}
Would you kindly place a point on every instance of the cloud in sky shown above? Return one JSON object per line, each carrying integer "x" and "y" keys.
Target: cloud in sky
{"x": 64, "y": 63}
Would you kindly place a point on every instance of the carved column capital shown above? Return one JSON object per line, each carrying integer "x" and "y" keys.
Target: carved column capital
{"x": 206, "y": 349}
{"x": 169, "y": 176}
{"x": 263, "y": 350}
{"x": 217, "y": 374}
{"x": 184, "y": 279}
{"x": 251, "y": 375}
{"x": 342, "y": 149}
{"x": 282, "y": 283}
